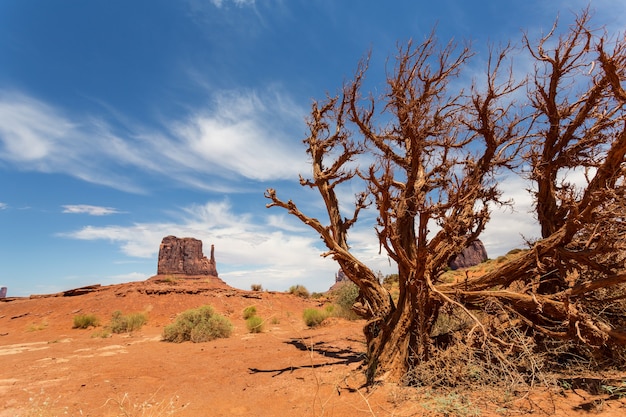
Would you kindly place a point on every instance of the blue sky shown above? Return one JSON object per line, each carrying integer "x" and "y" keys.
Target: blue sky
{"x": 122, "y": 122}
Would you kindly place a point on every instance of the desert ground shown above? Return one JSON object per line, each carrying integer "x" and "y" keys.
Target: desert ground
{"x": 49, "y": 368}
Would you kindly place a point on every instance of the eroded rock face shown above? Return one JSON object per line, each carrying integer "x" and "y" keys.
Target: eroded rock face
{"x": 474, "y": 254}
{"x": 183, "y": 256}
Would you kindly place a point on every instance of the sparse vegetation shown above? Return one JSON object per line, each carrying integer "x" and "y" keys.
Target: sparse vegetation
{"x": 85, "y": 321}
{"x": 34, "y": 327}
{"x": 299, "y": 290}
{"x": 314, "y": 317}
{"x": 256, "y": 287}
{"x": 121, "y": 323}
{"x": 201, "y": 324}
{"x": 249, "y": 312}
{"x": 102, "y": 333}
{"x": 452, "y": 404}
{"x": 255, "y": 324}
{"x": 170, "y": 279}
{"x": 344, "y": 296}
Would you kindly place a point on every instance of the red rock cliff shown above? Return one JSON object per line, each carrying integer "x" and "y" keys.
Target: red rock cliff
{"x": 183, "y": 256}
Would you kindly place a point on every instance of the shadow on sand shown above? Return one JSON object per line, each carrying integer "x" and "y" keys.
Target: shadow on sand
{"x": 341, "y": 356}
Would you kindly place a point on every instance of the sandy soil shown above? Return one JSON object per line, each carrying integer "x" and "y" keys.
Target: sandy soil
{"x": 49, "y": 369}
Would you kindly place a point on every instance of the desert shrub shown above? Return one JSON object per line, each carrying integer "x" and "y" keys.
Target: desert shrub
{"x": 299, "y": 290}
{"x": 101, "y": 334}
{"x": 254, "y": 324}
{"x": 275, "y": 320}
{"x": 345, "y": 296}
{"x": 121, "y": 323}
{"x": 84, "y": 321}
{"x": 313, "y": 317}
{"x": 390, "y": 280}
{"x": 515, "y": 251}
{"x": 256, "y": 287}
{"x": 249, "y": 312}
{"x": 198, "y": 325}
{"x": 34, "y": 327}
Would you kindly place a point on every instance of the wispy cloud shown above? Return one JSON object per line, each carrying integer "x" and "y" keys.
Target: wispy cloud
{"x": 240, "y": 135}
{"x": 239, "y": 3}
{"x": 91, "y": 210}
{"x": 3, "y": 206}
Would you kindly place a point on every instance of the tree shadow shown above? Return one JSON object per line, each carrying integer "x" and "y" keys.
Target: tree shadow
{"x": 342, "y": 356}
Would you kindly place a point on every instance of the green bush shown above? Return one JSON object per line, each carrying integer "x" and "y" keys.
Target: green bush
{"x": 256, "y": 287}
{"x": 390, "y": 280}
{"x": 313, "y": 317}
{"x": 84, "y": 321}
{"x": 121, "y": 323}
{"x": 254, "y": 324}
{"x": 345, "y": 296}
{"x": 198, "y": 325}
{"x": 299, "y": 290}
{"x": 249, "y": 312}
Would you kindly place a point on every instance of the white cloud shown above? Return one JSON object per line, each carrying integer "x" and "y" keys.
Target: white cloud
{"x": 246, "y": 134}
{"x": 241, "y": 135}
{"x": 248, "y": 250}
{"x": 508, "y": 227}
{"x": 238, "y": 3}
{"x": 3, "y": 206}
{"x": 91, "y": 210}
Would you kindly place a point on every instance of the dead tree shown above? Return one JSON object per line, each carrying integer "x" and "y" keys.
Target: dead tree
{"x": 435, "y": 165}
{"x": 437, "y": 154}
{"x": 566, "y": 286}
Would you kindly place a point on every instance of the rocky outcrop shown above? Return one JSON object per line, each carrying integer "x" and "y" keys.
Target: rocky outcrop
{"x": 474, "y": 254}
{"x": 183, "y": 256}
{"x": 3, "y": 292}
{"x": 340, "y": 279}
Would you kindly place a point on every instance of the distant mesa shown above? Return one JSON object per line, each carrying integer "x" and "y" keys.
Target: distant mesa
{"x": 474, "y": 254}
{"x": 3, "y": 292}
{"x": 183, "y": 256}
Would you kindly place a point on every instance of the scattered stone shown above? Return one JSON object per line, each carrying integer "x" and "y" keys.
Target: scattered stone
{"x": 474, "y": 254}
{"x": 82, "y": 290}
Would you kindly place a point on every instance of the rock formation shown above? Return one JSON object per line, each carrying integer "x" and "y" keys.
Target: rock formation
{"x": 3, "y": 292}
{"x": 183, "y": 256}
{"x": 474, "y": 254}
{"x": 340, "y": 279}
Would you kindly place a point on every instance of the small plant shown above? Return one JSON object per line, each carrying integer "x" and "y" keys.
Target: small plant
{"x": 249, "y": 312}
{"x": 299, "y": 290}
{"x": 313, "y": 317}
{"x": 35, "y": 327}
{"x": 198, "y": 325}
{"x": 256, "y": 287}
{"x": 345, "y": 296}
{"x": 85, "y": 321}
{"x": 390, "y": 280}
{"x": 453, "y": 405}
{"x": 254, "y": 324}
{"x": 102, "y": 334}
{"x": 275, "y": 320}
{"x": 127, "y": 323}
{"x": 170, "y": 279}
